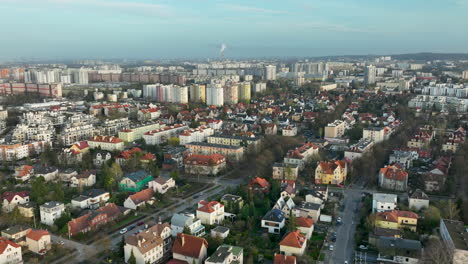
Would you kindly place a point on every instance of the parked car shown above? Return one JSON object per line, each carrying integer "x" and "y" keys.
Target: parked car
{"x": 123, "y": 231}
{"x": 141, "y": 223}
{"x": 331, "y": 247}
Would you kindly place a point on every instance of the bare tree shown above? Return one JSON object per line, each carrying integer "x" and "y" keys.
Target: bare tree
{"x": 437, "y": 252}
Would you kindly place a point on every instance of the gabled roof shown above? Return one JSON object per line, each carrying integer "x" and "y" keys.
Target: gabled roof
{"x": 208, "y": 207}
{"x": 394, "y": 172}
{"x": 10, "y": 195}
{"x": 294, "y": 239}
{"x": 304, "y": 221}
{"x": 188, "y": 245}
{"x": 330, "y": 166}
{"x": 259, "y": 181}
{"x": 4, "y": 243}
{"x": 106, "y": 139}
{"x": 142, "y": 196}
{"x": 282, "y": 259}
{"x": 137, "y": 176}
{"x": 148, "y": 238}
{"x": 392, "y": 216}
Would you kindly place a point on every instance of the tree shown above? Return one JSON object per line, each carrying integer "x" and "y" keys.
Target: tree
{"x": 436, "y": 252}
{"x": 39, "y": 190}
{"x": 292, "y": 223}
{"x": 132, "y": 259}
{"x": 174, "y": 141}
{"x": 187, "y": 230}
{"x": 175, "y": 175}
{"x": 431, "y": 218}
{"x": 448, "y": 209}
{"x": 116, "y": 171}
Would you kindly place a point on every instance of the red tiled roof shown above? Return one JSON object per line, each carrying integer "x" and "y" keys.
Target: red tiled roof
{"x": 187, "y": 245}
{"x": 282, "y": 259}
{"x": 259, "y": 181}
{"x": 208, "y": 206}
{"x": 4, "y": 244}
{"x": 392, "y": 216}
{"x": 294, "y": 239}
{"x": 330, "y": 166}
{"x": 106, "y": 139}
{"x": 206, "y": 160}
{"x": 142, "y": 196}
{"x": 10, "y": 195}
{"x": 394, "y": 172}
{"x": 37, "y": 234}
{"x": 304, "y": 222}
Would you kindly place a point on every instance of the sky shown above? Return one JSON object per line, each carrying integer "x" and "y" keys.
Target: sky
{"x": 159, "y": 29}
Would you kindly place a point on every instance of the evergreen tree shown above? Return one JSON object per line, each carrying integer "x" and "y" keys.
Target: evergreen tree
{"x": 132, "y": 259}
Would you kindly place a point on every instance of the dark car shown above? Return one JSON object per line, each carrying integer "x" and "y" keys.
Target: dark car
{"x": 141, "y": 223}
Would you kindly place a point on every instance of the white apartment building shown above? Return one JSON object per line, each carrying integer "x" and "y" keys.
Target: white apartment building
{"x": 199, "y": 134}
{"x": 270, "y": 72}
{"x": 215, "y": 94}
{"x": 17, "y": 151}
{"x": 150, "y": 245}
{"x": 382, "y": 202}
{"x": 163, "y": 135}
{"x": 51, "y": 211}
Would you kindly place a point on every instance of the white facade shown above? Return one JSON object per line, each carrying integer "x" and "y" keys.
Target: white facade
{"x": 382, "y": 202}
{"x": 215, "y": 95}
{"x": 270, "y": 72}
{"x": 375, "y": 134}
{"x": 11, "y": 253}
{"x": 51, "y": 211}
{"x": 199, "y": 134}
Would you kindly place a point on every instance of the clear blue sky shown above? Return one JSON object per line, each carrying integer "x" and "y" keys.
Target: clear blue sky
{"x": 250, "y": 28}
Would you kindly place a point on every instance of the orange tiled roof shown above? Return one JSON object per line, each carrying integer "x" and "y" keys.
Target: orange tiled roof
{"x": 294, "y": 239}
{"x": 330, "y": 166}
{"x": 304, "y": 222}
{"x": 394, "y": 172}
{"x": 37, "y": 234}
{"x": 262, "y": 182}
{"x": 207, "y": 160}
{"x": 208, "y": 206}
{"x": 142, "y": 196}
{"x": 392, "y": 216}
{"x": 282, "y": 259}
{"x": 106, "y": 139}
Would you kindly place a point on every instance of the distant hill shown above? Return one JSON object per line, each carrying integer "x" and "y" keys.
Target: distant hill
{"x": 423, "y": 56}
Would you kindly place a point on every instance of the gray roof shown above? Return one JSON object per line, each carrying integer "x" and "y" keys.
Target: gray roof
{"x": 221, "y": 229}
{"x": 137, "y": 176}
{"x": 181, "y": 220}
{"x": 418, "y": 194}
{"x": 399, "y": 247}
{"x": 310, "y": 206}
{"x": 458, "y": 233}
{"x": 14, "y": 229}
{"x": 274, "y": 215}
{"x": 80, "y": 198}
{"x": 223, "y": 252}
{"x": 51, "y": 204}
{"x": 385, "y": 197}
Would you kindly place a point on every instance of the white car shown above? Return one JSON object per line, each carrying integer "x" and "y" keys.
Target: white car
{"x": 123, "y": 231}
{"x": 331, "y": 248}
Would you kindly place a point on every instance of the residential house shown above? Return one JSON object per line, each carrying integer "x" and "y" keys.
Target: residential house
{"x": 315, "y": 196}
{"x": 38, "y": 241}
{"x": 23, "y": 172}
{"x": 270, "y": 129}
{"x": 84, "y": 179}
{"x": 454, "y": 235}
{"x": 17, "y": 234}
{"x": 13, "y": 199}
{"x": 305, "y": 226}
{"x": 283, "y": 171}
{"x": 180, "y": 221}
{"x": 210, "y": 213}
{"x": 219, "y": 232}
{"x": 94, "y": 219}
{"x": 50, "y": 212}
{"x": 259, "y": 185}
{"x": 50, "y": 173}
{"x": 331, "y": 172}
{"x": 283, "y": 259}
{"x": 310, "y": 210}
{"x": 232, "y": 202}
{"x": 403, "y": 158}
{"x": 67, "y": 174}
{"x": 140, "y": 198}
{"x": 301, "y": 155}
{"x": 100, "y": 157}
{"x": 288, "y": 189}
{"x": 204, "y": 164}
{"x": 397, "y": 220}
{"x": 418, "y": 200}
{"x": 151, "y": 245}
{"x": 375, "y": 134}
{"x": 286, "y": 205}
{"x": 294, "y": 243}
{"x": 398, "y": 250}
{"x": 162, "y": 184}
{"x": 91, "y": 199}
{"x": 274, "y": 221}
{"x": 10, "y": 252}
{"x": 174, "y": 158}
{"x": 27, "y": 209}
{"x": 190, "y": 249}
{"x": 382, "y": 202}
{"x": 226, "y": 254}
{"x": 289, "y": 131}
{"x": 393, "y": 177}
{"x": 135, "y": 181}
